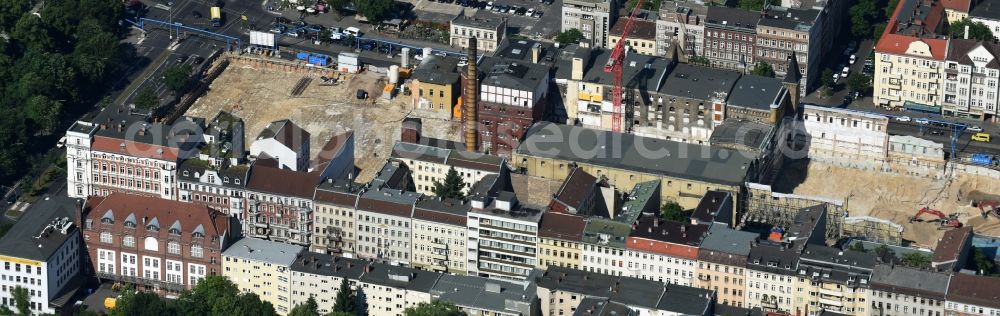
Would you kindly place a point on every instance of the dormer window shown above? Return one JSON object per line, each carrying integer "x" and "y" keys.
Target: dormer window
{"x": 152, "y": 228}
{"x": 185, "y": 173}
{"x": 129, "y": 224}
{"x": 175, "y": 231}
{"x": 225, "y": 179}
{"x": 236, "y": 181}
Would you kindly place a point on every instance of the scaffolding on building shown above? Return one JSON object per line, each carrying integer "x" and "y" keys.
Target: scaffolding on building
{"x": 766, "y": 206}
{"x": 874, "y": 230}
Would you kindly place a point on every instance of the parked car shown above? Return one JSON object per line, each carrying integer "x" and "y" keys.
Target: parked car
{"x": 936, "y": 132}
{"x": 845, "y": 72}
{"x": 853, "y": 58}
{"x": 974, "y": 128}
{"x": 440, "y": 53}
{"x": 923, "y": 121}
{"x": 836, "y": 76}
{"x": 315, "y": 28}
{"x": 521, "y": 11}
{"x": 981, "y": 137}
{"x": 531, "y": 12}
{"x": 903, "y": 118}
{"x": 939, "y": 124}
{"x": 462, "y": 63}
{"x": 489, "y": 6}
{"x": 282, "y": 20}
{"x": 512, "y": 10}
{"x": 537, "y": 14}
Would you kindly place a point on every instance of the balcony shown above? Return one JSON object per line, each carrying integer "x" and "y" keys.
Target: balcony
{"x": 830, "y": 293}
{"x": 826, "y": 303}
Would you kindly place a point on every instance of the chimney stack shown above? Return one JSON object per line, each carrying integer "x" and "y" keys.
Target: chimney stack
{"x": 577, "y": 73}
{"x": 471, "y": 99}
{"x": 536, "y": 51}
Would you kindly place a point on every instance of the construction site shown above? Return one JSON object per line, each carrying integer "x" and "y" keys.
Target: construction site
{"x": 324, "y": 102}
{"x": 923, "y": 207}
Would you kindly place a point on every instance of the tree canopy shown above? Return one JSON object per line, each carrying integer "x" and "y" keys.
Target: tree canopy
{"x": 916, "y": 260}
{"x": 859, "y": 82}
{"x": 570, "y": 36}
{"x": 756, "y": 5}
{"x": 434, "y": 308}
{"x": 146, "y": 99}
{"x": 672, "y": 211}
{"x": 20, "y": 296}
{"x": 176, "y": 78}
{"x": 347, "y": 300}
{"x": 451, "y": 187}
{"x": 763, "y": 69}
{"x": 977, "y": 30}
{"x": 308, "y": 308}
{"x": 374, "y": 10}
{"x": 213, "y": 296}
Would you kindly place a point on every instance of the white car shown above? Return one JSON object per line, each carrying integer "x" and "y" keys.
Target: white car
{"x": 531, "y": 12}
{"x": 903, "y": 118}
{"x": 923, "y": 121}
{"x": 512, "y": 10}
{"x": 462, "y": 63}
{"x": 853, "y": 58}
{"x": 489, "y": 6}
{"x": 845, "y": 72}
{"x": 974, "y": 128}
{"x": 836, "y": 77}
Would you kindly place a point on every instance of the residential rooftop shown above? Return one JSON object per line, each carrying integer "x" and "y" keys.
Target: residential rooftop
{"x": 755, "y": 92}
{"x": 400, "y": 277}
{"x": 638, "y": 201}
{"x": 485, "y": 294}
{"x": 45, "y": 226}
{"x": 521, "y": 49}
{"x": 563, "y": 226}
{"x": 329, "y": 265}
{"x": 622, "y": 151}
{"x": 800, "y": 20}
{"x": 741, "y": 135}
{"x": 272, "y": 252}
{"x": 900, "y": 279}
{"x": 977, "y": 290}
{"x": 641, "y": 72}
{"x": 641, "y": 30}
{"x": 605, "y": 232}
{"x": 726, "y": 240}
{"x": 437, "y": 70}
{"x": 700, "y": 83}
{"x": 726, "y": 17}
{"x": 652, "y": 227}
{"x": 511, "y": 74}
{"x": 479, "y": 22}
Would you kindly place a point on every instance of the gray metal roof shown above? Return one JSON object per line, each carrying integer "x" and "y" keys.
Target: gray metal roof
{"x": 642, "y": 72}
{"x": 401, "y": 277}
{"x": 727, "y": 17}
{"x": 755, "y": 92}
{"x": 743, "y": 134}
{"x": 800, "y": 20}
{"x": 437, "y": 70}
{"x": 985, "y": 10}
{"x": 701, "y": 83}
{"x": 685, "y": 300}
{"x": 264, "y": 251}
{"x": 901, "y": 277}
{"x": 478, "y": 22}
{"x": 26, "y": 239}
{"x": 511, "y": 74}
{"x": 485, "y": 294}
{"x": 635, "y": 153}
{"x": 724, "y": 239}
{"x": 329, "y": 265}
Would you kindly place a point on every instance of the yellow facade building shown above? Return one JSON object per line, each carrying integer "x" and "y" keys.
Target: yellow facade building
{"x": 262, "y": 267}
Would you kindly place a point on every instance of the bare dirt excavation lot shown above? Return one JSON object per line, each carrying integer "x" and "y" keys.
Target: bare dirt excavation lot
{"x": 260, "y": 96}
{"x": 897, "y": 198}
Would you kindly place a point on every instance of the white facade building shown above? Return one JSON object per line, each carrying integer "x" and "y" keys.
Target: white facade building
{"x": 971, "y": 75}
{"x": 503, "y": 237}
{"x": 845, "y": 137}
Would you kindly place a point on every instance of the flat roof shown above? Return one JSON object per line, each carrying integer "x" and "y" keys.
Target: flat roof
{"x": 699, "y": 82}
{"x": 401, "y": 277}
{"x": 605, "y": 232}
{"x": 746, "y": 134}
{"x": 26, "y": 239}
{"x": 267, "y": 251}
{"x": 483, "y": 293}
{"x": 329, "y": 265}
{"x": 755, "y": 92}
{"x": 636, "y": 153}
{"x": 724, "y": 239}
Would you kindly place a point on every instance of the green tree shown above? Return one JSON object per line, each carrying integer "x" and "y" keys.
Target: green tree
{"x": 827, "y": 78}
{"x": 858, "y": 82}
{"x": 142, "y": 303}
{"x": 862, "y": 13}
{"x": 176, "y": 78}
{"x": 434, "y": 308}
{"x": 756, "y": 5}
{"x": 309, "y": 308}
{"x": 324, "y": 35}
{"x": 20, "y": 296}
{"x": 891, "y": 7}
{"x": 977, "y": 30}
{"x": 451, "y": 187}
{"x": 699, "y": 60}
{"x": 857, "y": 246}
{"x": 983, "y": 264}
{"x": 570, "y": 36}
{"x": 11, "y": 11}
{"x": 877, "y": 32}
{"x": 763, "y": 69}
{"x": 347, "y": 300}
{"x": 374, "y": 10}
{"x": 916, "y": 260}
{"x": 146, "y": 99}
{"x": 339, "y": 313}
{"x": 44, "y": 112}
{"x": 672, "y": 211}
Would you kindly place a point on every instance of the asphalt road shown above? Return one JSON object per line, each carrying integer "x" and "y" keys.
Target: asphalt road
{"x": 964, "y": 146}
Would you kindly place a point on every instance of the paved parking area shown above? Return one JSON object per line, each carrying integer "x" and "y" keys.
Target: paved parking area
{"x": 546, "y": 26}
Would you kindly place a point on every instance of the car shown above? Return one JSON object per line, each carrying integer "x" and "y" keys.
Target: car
{"x": 845, "y": 72}
{"x": 936, "y": 132}
{"x": 521, "y": 11}
{"x": 440, "y": 53}
{"x": 836, "y": 77}
{"x": 462, "y": 63}
{"x": 196, "y": 14}
{"x": 974, "y": 128}
{"x": 463, "y": 58}
{"x": 489, "y": 6}
{"x": 293, "y": 34}
{"x": 981, "y": 137}
{"x": 498, "y": 8}
{"x": 278, "y": 29}
{"x": 315, "y": 28}
{"x": 923, "y": 121}
{"x": 299, "y": 23}
{"x": 940, "y": 124}
{"x": 530, "y": 12}
{"x": 512, "y": 10}
{"x": 853, "y": 58}
{"x": 903, "y": 118}
{"x": 334, "y": 29}
{"x": 282, "y": 20}
{"x": 537, "y": 14}
{"x": 418, "y": 57}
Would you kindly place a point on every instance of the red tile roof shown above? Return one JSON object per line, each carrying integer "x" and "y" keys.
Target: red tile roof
{"x": 975, "y": 289}
{"x": 266, "y": 177}
{"x": 561, "y": 226}
{"x": 957, "y": 5}
{"x": 134, "y": 149}
{"x": 166, "y": 212}
{"x": 949, "y": 248}
{"x": 897, "y": 44}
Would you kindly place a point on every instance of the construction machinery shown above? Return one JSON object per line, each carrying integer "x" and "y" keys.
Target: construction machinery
{"x": 614, "y": 66}
{"x": 946, "y": 221}
{"x": 987, "y": 207}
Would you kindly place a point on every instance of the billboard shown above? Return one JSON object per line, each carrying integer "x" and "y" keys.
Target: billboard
{"x": 262, "y": 38}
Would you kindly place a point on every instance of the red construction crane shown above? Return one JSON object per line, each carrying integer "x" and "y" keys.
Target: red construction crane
{"x": 945, "y": 220}
{"x": 614, "y": 66}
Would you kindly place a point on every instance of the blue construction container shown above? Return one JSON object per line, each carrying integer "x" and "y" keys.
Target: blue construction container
{"x": 318, "y": 60}
{"x": 983, "y": 159}
{"x": 302, "y": 55}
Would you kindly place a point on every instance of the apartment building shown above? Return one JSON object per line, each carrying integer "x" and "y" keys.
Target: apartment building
{"x": 429, "y": 162}
{"x": 503, "y": 237}
{"x": 773, "y": 264}
{"x": 334, "y": 219}
{"x": 730, "y": 37}
{"x": 751, "y": 99}
{"x": 664, "y": 251}
{"x": 901, "y": 290}
{"x": 383, "y": 225}
{"x": 479, "y": 296}
{"x": 603, "y": 247}
{"x": 488, "y": 32}
{"x": 642, "y": 38}
{"x": 285, "y": 142}
{"x": 439, "y": 241}
{"x": 263, "y": 267}
{"x": 122, "y": 152}
{"x": 41, "y": 254}
{"x": 831, "y": 279}
{"x": 279, "y": 203}
{"x": 389, "y": 290}
{"x": 561, "y": 291}
{"x": 436, "y": 83}
{"x": 593, "y": 18}
{"x": 689, "y": 99}
{"x": 782, "y": 32}
{"x": 683, "y": 23}
{"x": 217, "y": 177}
{"x": 318, "y": 276}
{"x": 560, "y": 238}
{"x": 844, "y": 137}
{"x": 511, "y": 98}
{"x": 909, "y": 57}
{"x": 684, "y": 178}
{"x": 157, "y": 245}
{"x": 970, "y": 79}
{"x": 953, "y": 249}
{"x": 972, "y": 295}
{"x": 722, "y": 259}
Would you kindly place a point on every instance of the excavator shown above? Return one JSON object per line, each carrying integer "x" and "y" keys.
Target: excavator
{"x": 947, "y": 221}
{"x": 987, "y": 207}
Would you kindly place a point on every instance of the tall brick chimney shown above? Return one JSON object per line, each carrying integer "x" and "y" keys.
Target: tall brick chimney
{"x": 471, "y": 99}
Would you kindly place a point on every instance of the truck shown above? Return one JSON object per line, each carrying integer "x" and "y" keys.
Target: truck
{"x": 216, "y": 16}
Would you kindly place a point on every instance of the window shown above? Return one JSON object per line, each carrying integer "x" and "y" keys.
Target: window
{"x": 106, "y": 237}
{"x": 128, "y": 241}
{"x": 174, "y": 248}
{"x": 197, "y": 251}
